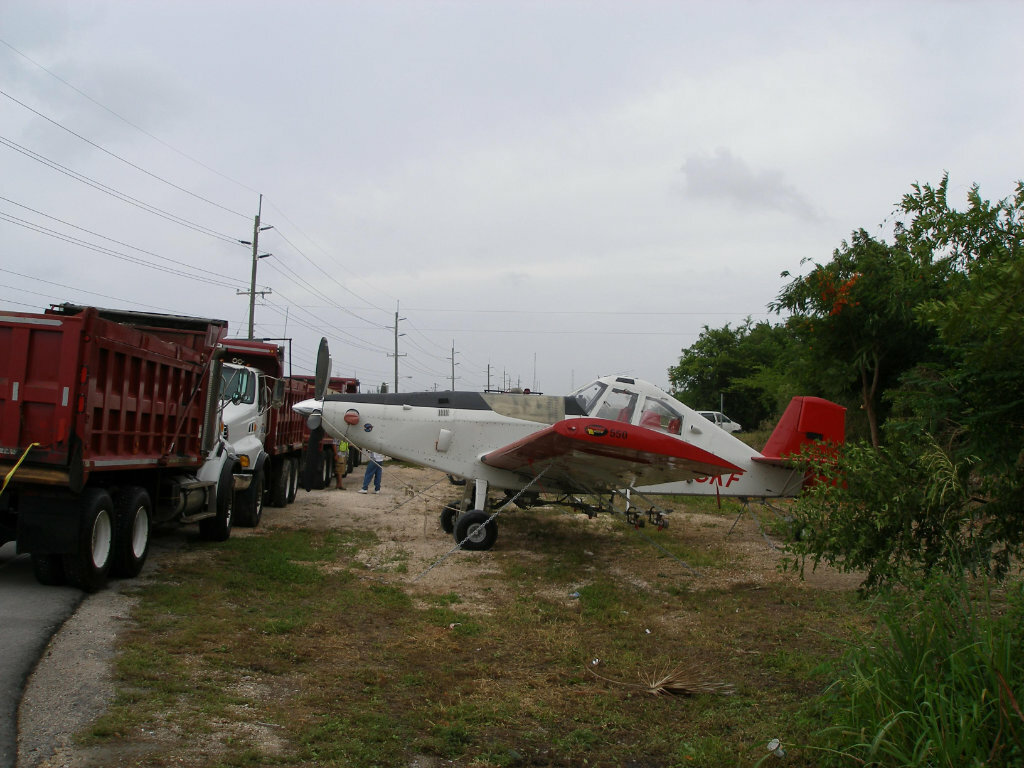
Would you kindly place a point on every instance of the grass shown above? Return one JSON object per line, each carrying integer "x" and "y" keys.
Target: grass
{"x": 284, "y": 648}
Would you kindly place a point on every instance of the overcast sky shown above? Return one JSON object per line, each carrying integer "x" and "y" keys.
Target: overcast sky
{"x": 555, "y": 190}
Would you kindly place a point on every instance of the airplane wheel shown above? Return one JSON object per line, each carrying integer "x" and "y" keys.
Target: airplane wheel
{"x": 473, "y": 527}
{"x": 449, "y": 512}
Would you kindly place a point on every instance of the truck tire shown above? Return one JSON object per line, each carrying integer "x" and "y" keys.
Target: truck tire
{"x": 134, "y": 511}
{"x": 280, "y": 481}
{"x": 293, "y": 479}
{"x": 218, "y": 528}
{"x": 49, "y": 570}
{"x": 328, "y": 467}
{"x": 87, "y": 567}
{"x": 250, "y": 502}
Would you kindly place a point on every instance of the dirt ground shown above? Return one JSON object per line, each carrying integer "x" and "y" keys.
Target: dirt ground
{"x": 72, "y": 683}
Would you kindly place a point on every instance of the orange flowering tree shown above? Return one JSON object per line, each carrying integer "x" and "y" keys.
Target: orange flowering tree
{"x": 854, "y": 317}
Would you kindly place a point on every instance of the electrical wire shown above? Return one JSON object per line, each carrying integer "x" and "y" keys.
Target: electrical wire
{"x": 116, "y": 156}
{"x": 123, "y": 197}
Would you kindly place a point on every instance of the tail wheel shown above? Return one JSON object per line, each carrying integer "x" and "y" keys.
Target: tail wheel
{"x": 87, "y": 567}
{"x": 473, "y": 528}
{"x": 131, "y": 533}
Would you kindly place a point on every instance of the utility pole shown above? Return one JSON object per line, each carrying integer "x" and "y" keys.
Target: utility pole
{"x": 453, "y": 365}
{"x": 397, "y": 334}
{"x": 256, "y": 256}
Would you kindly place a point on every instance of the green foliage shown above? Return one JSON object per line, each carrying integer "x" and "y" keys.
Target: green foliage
{"x": 856, "y": 318}
{"x": 938, "y": 683}
{"x": 746, "y": 364}
{"x": 892, "y": 512}
{"x": 931, "y": 327}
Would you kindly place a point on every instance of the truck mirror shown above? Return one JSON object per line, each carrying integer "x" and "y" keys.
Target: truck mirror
{"x": 278, "y": 398}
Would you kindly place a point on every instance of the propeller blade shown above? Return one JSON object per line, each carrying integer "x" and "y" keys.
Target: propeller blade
{"x": 312, "y": 475}
{"x": 323, "y": 370}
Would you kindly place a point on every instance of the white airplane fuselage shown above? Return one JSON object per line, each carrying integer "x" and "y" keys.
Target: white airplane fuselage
{"x": 453, "y": 431}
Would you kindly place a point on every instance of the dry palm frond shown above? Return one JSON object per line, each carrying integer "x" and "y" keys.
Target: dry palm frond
{"x": 679, "y": 681}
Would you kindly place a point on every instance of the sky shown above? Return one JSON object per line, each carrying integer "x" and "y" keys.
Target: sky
{"x": 540, "y": 192}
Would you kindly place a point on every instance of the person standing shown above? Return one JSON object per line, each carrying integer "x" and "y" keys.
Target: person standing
{"x": 340, "y": 462}
{"x": 374, "y": 471}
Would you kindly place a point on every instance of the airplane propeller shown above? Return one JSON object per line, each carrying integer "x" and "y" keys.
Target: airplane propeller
{"x": 311, "y": 466}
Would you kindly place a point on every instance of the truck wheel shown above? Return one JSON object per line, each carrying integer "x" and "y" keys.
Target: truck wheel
{"x": 49, "y": 570}
{"x": 473, "y": 527}
{"x": 293, "y": 479}
{"x": 280, "y": 482}
{"x": 250, "y": 502}
{"x": 218, "y": 528}
{"x": 328, "y": 467}
{"x": 131, "y": 534}
{"x": 87, "y": 567}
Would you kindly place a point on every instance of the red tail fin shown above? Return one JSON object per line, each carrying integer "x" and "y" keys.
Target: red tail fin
{"x": 806, "y": 420}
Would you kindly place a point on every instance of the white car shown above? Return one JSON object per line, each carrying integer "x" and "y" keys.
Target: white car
{"x": 720, "y": 419}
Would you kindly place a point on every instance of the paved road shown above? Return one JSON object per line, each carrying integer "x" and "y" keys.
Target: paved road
{"x": 29, "y": 615}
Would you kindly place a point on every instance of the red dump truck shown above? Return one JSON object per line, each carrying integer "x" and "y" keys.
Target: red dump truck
{"x": 272, "y": 441}
{"x": 109, "y": 424}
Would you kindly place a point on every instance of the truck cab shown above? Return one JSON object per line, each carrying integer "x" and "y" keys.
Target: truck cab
{"x": 246, "y": 398}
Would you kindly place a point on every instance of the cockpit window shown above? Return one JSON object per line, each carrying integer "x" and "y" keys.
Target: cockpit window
{"x": 237, "y": 381}
{"x": 618, "y": 405}
{"x": 589, "y": 395}
{"x": 657, "y": 414}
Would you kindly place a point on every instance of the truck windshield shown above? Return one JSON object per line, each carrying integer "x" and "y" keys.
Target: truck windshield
{"x": 237, "y": 384}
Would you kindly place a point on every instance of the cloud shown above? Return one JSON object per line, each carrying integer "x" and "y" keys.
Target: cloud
{"x": 727, "y": 177}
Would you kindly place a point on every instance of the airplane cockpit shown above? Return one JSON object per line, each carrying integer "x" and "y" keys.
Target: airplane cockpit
{"x": 631, "y": 401}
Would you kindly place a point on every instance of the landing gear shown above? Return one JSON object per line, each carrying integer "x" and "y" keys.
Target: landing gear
{"x": 449, "y": 512}
{"x": 473, "y": 530}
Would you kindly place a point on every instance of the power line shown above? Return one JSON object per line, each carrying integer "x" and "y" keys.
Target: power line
{"x": 110, "y": 239}
{"x": 108, "y": 251}
{"x": 117, "y": 156}
{"x": 125, "y": 120}
{"x": 125, "y": 198}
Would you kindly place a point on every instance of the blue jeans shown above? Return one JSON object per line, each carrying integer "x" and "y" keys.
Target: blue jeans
{"x": 374, "y": 472}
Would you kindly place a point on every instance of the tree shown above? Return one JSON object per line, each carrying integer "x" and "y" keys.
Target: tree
{"x": 737, "y": 362}
{"x": 855, "y": 316}
{"x": 947, "y": 490}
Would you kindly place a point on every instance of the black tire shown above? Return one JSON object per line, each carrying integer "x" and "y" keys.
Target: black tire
{"x": 280, "y": 482}
{"x": 471, "y": 528}
{"x": 328, "y": 468}
{"x": 250, "y": 503}
{"x": 449, "y": 512}
{"x": 218, "y": 528}
{"x": 133, "y": 513}
{"x": 87, "y": 567}
{"x": 293, "y": 479}
{"x": 49, "y": 570}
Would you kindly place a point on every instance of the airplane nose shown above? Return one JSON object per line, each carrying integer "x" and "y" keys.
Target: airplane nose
{"x": 307, "y": 407}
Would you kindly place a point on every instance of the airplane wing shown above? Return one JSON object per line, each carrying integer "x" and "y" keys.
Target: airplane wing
{"x": 597, "y": 454}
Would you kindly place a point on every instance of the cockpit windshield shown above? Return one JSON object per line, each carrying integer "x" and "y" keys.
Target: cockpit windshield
{"x": 237, "y": 385}
{"x": 588, "y": 396}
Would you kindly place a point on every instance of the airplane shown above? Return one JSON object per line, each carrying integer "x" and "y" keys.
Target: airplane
{"x": 617, "y": 433}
